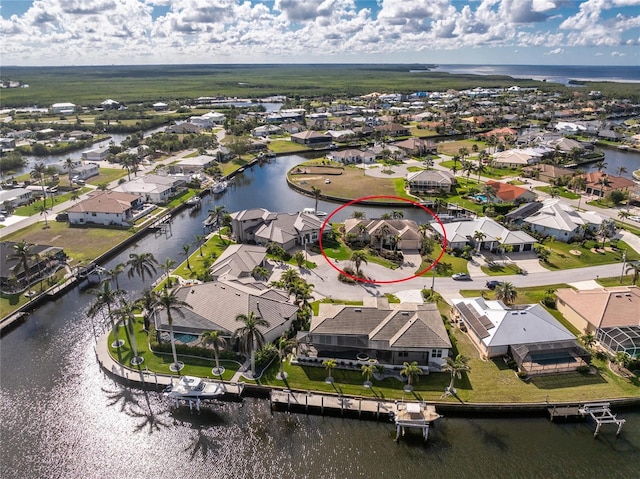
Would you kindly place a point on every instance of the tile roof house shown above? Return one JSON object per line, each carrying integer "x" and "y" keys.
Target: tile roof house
{"x": 459, "y": 234}
{"x": 516, "y": 158}
{"x": 311, "y": 138}
{"x": 546, "y": 172}
{"x": 238, "y": 262}
{"x": 151, "y": 188}
{"x": 534, "y": 338}
{"x": 430, "y": 181}
{"x": 105, "y": 208}
{"x": 562, "y": 221}
{"x": 262, "y": 227}
{"x": 375, "y": 230}
{"x": 214, "y": 306}
{"x": 12, "y": 274}
{"x": 378, "y": 333}
{"x": 612, "y": 315}
{"x": 352, "y": 155}
{"x": 417, "y": 146}
{"x": 507, "y": 193}
{"x": 596, "y": 185}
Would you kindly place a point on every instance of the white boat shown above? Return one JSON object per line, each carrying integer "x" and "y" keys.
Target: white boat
{"x": 194, "y": 201}
{"x": 312, "y": 211}
{"x": 219, "y": 187}
{"x": 192, "y": 388}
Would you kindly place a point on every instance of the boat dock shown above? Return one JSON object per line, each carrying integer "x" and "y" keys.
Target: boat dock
{"x": 416, "y": 415}
{"x": 599, "y": 412}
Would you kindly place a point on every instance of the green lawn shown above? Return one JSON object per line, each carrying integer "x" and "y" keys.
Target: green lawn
{"x": 627, "y": 280}
{"x": 458, "y": 265}
{"x": 107, "y": 175}
{"x": 285, "y": 146}
{"x": 499, "y": 269}
{"x": 561, "y": 258}
{"x": 11, "y": 302}
{"x": 496, "y": 173}
{"x": 315, "y": 306}
{"x": 338, "y": 250}
{"x": 181, "y": 198}
{"x": 32, "y": 209}
{"x": 562, "y": 191}
{"x": 211, "y": 250}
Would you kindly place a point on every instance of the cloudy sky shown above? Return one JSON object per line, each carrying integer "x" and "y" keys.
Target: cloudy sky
{"x": 97, "y": 32}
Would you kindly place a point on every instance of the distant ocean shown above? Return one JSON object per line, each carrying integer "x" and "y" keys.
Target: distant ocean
{"x": 552, "y": 73}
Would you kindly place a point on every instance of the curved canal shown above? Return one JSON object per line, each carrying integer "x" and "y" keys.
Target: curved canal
{"x": 63, "y": 418}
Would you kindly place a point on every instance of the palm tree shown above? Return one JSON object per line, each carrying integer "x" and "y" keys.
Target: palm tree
{"x": 633, "y": 268}
{"x": 38, "y": 174}
{"x": 43, "y": 210}
{"x": 456, "y": 367}
{"x": 108, "y": 297}
{"x": 22, "y": 251}
{"x": 249, "y": 336}
{"x": 358, "y": 257}
{"x": 621, "y": 170}
{"x": 217, "y": 341}
{"x": 463, "y": 152}
{"x": 75, "y": 196}
{"x": 604, "y": 182}
{"x": 601, "y": 165}
{"x": 114, "y": 272}
{"x": 289, "y": 277}
{"x": 467, "y": 169}
{"x": 147, "y": 302}
{"x": 383, "y": 231}
{"x": 329, "y": 365}
{"x": 141, "y": 264}
{"x": 125, "y": 312}
{"x": 478, "y": 237}
{"x": 200, "y": 241}
{"x": 185, "y": 250}
{"x": 506, "y": 292}
{"x": 412, "y": 372}
{"x": 316, "y": 194}
{"x": 397, "y": 214}
{"x": 623, "y": 215}
{"x": 588, "y": 340}
{"x": 167, "y": 266}
{"x": 359, "y": 215}
{"x": 368, "y": 370}
{"x": 299, "y": 258}
{"x": 217, "y": 213}
{"x": 172, "y": 304}
{"x": 260, "y": 272}
{"x": 68, "y": 165}
{"x": 480, "y": 168}
{"x": 285, "y": 346}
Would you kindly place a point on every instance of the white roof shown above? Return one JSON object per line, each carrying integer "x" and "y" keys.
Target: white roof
{"x": 462, "y": 231}
{"x": 558, "y": 215}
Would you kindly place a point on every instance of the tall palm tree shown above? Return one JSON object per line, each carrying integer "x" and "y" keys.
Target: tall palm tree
{"x": 358, "y": 257}
{"x": 217, "y": 213}
{"x": 604, "y": 181}
{"x": 167, "y": 266}
{"x": 43, "y": 210}
{"x": 290, "y": 277}
{"x": 107, "y": 297}
{"x": 329, "y": 365}
{"x": 467, "y": 169}
{"x": 480, "y": 168}
{"x": 23, "y": 252}
{"x": 623, "y": 215}
{"x": 383, "y": 231}
{"x": 478, "y": 237}
{"x": 633, "y": 268}
{"x": 359, "y": 215}
{"x": 368, "y": 370}
{"x": 456, "y": 367}
{"x": 200, "y": 241}
{"x": 249, "y": 336}
{"x": 114, "y": 272}
{"x": 412, "y": 372}
{"x": 185, "y": 250}
{"x": 38, "y": 173}
{"x": 147, "y": 302}
{"x": 142, "y": 264}
{"x": 126, "y": 315}
{"x": 299, "y": 258}
{"x": 172, "y": 304}
{"x": 621, "y": 170}
{"x": 601, "y": 165}
{"x": 68, "y": 165}
{"x": 217, "y": 341}
{"x": 316, "y": 194}
{"x": 506, "y": 292}
{"x": 285, "y": 346}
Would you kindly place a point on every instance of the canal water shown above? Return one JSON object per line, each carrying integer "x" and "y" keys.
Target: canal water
{"x": 62, "y": 417}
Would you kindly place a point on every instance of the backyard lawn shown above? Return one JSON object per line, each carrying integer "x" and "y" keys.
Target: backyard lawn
{"x": 457, "y": 265}
{"x": 562, "y": 191}
{"x": 107, "y": 175}
{"x": 562, "y": 257}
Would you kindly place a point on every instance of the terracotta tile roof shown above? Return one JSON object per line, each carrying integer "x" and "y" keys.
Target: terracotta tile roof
{"x": 505, "y": 191}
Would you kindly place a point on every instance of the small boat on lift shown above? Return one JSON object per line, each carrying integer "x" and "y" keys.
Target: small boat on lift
{"x": 190, "y": 388}
{"x": 312, "y": 211}
{"x": 194, "y": 202}
{"x": 218, "y": 187}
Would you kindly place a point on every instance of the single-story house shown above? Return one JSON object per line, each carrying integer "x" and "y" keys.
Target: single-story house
{"x": 12, "y": 274}
{"x": 183, "y": 128}
{"x": 417, "y": 146}
{"x": 155, "y": 189}
{"x": 160, "y": 106}
{"x": 195, "y": 164}
{"x": 61, "y": 166}
{"x": 562, "y": 221}
{"x": 238, "y": 261}
{"x": 534, "y": 338}
{"x": 208, "y": 120}
{"x": 460, "y": 233}
{"x": 393, "y": 129}
{"x": 96, "y": 154}
{"x": 352, "y": 155}
{"x": 311, "y": 138}
{"x": 7, "y": 144}
{"x": 430, "y": 181}
{"x": 601, "y": 184}
{"x": 378, "y": 333}
{"x": 377, "y": 231}
{"x": 266, "y": 130}
{"x": 341, "y": 135}
{"x": 214, "y": 306}
{"x": 63, "y": 108}
{"x": 16, "y": 196}
{"x": 105, "y": 208}
{"x": 515, "y": 158}
{"x": 287, "y": 230}
{"x": 85, "y": 171}
{"x": 612, "y": 315}
{"x": 546, "y": 172}
{"x": 507, "y": 193}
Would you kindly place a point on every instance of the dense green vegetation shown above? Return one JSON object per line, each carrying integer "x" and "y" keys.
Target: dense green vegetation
{"x": 90, "y": 85}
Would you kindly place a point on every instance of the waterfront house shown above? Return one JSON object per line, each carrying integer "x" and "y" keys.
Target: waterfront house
{"x": 13, "y": 276}
{"x": 601, "y": 184}
{"x": 85, "y": 171}
{"x": 16, "y": 196}
{"x": 393, "y": 129}
{"x": 155, "y": 189}
{"x": 508, "y": 193}
{"x": 403, "y": 233}
{"x": 562, "y": 221}
{"x": 516, "y": 158}
{"x": 311, "y": 139}
{"x": 109, "y": 208}
{"x": 546, "y": 172}
{"x": 96, "y": 154}
{"x": 193, "y": 165}
{"x": 417, "y": 146}
{"x": 266, "y": 130}
{"x": 287, "y": 230}
{"x": 430, "y": 182}
{"x": 612, "y": 315}
{"x": 376, "y": 333}
{"x": 461, "y": 233}
{"x": 352, "y": 156}
{"x": 214, "y": 306}
{"x": 527, "y": 332}
{"x": 63, "y": 108}
{"x": 238, "y": 262}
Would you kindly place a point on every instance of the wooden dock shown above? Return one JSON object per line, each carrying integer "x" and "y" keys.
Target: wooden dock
{"x": 416, "y": 415}
{"x": 600, "y": 412}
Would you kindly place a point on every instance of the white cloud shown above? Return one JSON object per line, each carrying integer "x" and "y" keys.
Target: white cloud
{"x": 557, "y": 51}
{"x": 617, "y": 54}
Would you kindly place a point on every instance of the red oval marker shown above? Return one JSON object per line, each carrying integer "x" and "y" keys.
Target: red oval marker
{"x": 372, "y": 281}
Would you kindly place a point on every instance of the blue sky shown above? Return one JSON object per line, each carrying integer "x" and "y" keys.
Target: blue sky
{"x": 92, "y": 32}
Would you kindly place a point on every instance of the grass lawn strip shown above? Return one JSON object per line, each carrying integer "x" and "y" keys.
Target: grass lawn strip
{"x": 561, "y": 258}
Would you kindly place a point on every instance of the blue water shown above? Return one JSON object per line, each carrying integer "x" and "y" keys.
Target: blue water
{"x": 481, "y": 198}
{"x": 552, "y": 73}
{"x": 185, "y": 338}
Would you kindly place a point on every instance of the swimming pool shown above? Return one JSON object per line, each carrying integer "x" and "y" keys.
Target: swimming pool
{"x": 480, "y": 198}
{"x": 185, "y": 338}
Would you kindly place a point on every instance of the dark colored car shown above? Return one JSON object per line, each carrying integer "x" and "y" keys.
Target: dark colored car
{"x": 62, "y": 217}
{"x": 492, "y": 284}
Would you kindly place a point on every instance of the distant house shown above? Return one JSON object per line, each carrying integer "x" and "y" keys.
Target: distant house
{"x": 85, "y": 171}
{"x": 208, "y": 120}
{"x": 159, "y": 106}
{"x": 214, "y": 306}
{"x": 430, "y": 181}
{"x": 7, "y": 144}
{"x": 63, "y": 108}
{"x": 536, "y": 340}
{"x": 266, "y": 130}
{"x": 194, "y": 164}
{"x": 238, "y": 262}
{"x": 151, "y": 188}
{"x": 507, "y": 193}
{"x": 184, "y": 128}
{"x": 109, "y": 104}
{"x": 352, "y": 156}
{"x": 612, "y": 315}
{"x": 546, "y": 172}
{"x": 417, "y": 146}
{"x": 460, "y": 233}
{"x": 13, "y": 277}
{"x": 562, "y": 221}
{"x": 377, "y": 333}
{"x": 16, "y": 196}
{"x": 287, "y": 230}
{"x": 109, "y": 208}
{"x": 501, "y": 133}
{"x": 96, "y": 154}
{"x": 601, "y": 184}
{"x": 378, "y": 231}
{"x": 516, "y": 158}
{"x": 341, "y": 135}
{"x": 311, "y": 138}
{"x": 393, "y": 129}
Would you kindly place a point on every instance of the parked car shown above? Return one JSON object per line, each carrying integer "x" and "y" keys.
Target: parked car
{"x": 62, "y": 217}
{"x": 461, "y": 277}
{"x": 327, "y": 181}
{"x": 493, "y": 284}
{"x": 2, "y": 217}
